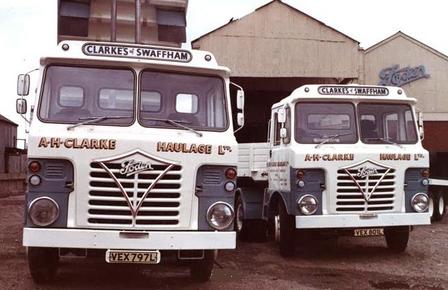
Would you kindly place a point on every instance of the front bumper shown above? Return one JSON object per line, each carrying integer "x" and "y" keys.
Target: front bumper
{"x": 112, "y": 239}
{"x": 359, "y": 221}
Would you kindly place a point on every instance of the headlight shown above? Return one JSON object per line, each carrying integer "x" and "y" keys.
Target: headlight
{"x": 34, "y": 180}
{"x": 425, "y": 181}
{"x": 220, "y": 215}
{"x": 43, "y": 211}
{"x": 308, "y": 204}
{"x": 420, "y": 202}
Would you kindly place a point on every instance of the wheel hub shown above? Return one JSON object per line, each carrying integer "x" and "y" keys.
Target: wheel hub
{"x": 239, "y": 217}
{"x": 277, "y": 227}
{"x": 441, "y": 205}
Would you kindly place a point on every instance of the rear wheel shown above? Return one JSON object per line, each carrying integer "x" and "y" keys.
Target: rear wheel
{"x": 441, "y": 207}
{"x": 201, "y": 270}
{"x": 284, "y": 231}
{"x": 438, "y": 207}
{"x": 43, "y": 264}
{"x": 397, "y": 238}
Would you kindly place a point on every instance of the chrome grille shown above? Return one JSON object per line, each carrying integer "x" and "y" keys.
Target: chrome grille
{"x": 349, "y": 197}
{"x": 108, "y": 206}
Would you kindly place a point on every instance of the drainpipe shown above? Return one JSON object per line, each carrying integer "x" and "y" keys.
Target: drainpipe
{"x": 113, "y": 21}
{"x": 138, "y": 27}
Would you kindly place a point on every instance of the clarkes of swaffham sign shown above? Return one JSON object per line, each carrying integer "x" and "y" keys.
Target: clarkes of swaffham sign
{"x": 396, "y": 76}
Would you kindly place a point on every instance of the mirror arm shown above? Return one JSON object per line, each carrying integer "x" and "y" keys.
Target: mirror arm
{"x": 236, "y": 85}
{"x": 33, "y": 70}
{"x": 28, "y": 121}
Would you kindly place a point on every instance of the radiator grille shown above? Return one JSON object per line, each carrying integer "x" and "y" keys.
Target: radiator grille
{"x": 108, "y": 206}
{"x": 350, "y": 198}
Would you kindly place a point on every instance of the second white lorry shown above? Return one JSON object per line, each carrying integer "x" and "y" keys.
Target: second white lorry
{"x": 345, "y": 159}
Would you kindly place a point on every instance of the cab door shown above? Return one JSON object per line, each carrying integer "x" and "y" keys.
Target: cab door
{"x": 280, "y": 139}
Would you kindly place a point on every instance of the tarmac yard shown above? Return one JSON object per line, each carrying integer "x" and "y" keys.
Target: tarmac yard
{"x": 345, "y": 263}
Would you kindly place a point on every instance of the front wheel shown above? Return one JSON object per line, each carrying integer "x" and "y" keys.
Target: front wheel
{"x": 431, "y": 207}
{"x": 397, "y": 238}
{"x": 240, "y": 223}
{"x": 201, "y": 270}
{"x": 284, "y": 231}
{"x": 43, "y": 264}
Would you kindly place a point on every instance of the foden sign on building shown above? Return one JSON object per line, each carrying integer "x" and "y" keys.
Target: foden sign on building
{"x": 394, "y": 76}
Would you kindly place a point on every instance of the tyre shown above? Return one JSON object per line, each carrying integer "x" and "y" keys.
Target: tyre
{"x": 201, "y": 270}
{"x": 284, "y": 231}
{"x": 431, "y": 207}
{"x": 435, "y": 216}
{"x": 397, "y": 238}
{"x": 43, "y": 264}
{"x": 240, "y": 223}
{"x": 248, "y": 230}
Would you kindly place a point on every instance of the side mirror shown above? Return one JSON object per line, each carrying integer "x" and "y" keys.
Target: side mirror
{"x": 240, "y": 99}
{"x": 21, "y": 106}
{"x": 281, "y": 117}
{"x": 421, "y": 130}
{"x": 283, "y": 133}
{"x": 240, "y": 119}
{"x": 23, "y": 84}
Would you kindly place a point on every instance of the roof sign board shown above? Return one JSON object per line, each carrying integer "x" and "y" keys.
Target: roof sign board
{"x": 135, "y": 51}
{"x": 353, "y": 91}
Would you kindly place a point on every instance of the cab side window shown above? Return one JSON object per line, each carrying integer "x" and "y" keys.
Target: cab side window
{"x": 277, "y": 126}
{"x": 287, "y": 139}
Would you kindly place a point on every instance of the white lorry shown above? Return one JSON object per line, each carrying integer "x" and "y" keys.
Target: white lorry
{"x": 344, "y": 159}
{"x": 131, "y": 152}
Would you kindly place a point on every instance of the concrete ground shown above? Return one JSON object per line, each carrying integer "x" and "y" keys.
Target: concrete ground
{"x": 346, "y": 263}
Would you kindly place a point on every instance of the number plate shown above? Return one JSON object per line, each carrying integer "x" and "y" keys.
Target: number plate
{"x": 132, "y": 257}
{"x": 368, "y": 232}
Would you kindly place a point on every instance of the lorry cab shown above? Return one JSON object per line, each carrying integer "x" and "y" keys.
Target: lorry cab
{"x": 131, "y": 151}
{"x": 345, "y": 158}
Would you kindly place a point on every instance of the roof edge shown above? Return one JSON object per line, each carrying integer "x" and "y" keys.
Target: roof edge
{"x": 265, "y": 5}
{"x": 411, "y": 39}
{"x": 6, "y": 120}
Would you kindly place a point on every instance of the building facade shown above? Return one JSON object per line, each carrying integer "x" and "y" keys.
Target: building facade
{"x": 8, "y": 131}
{"x": 278, "y": 48}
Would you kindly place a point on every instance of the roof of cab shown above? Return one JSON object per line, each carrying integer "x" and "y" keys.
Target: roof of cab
{"x": 132, "y": 54}
{"x": 329, "y": 92}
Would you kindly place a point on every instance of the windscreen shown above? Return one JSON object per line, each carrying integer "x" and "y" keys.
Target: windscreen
{"x": 73, "y": 94}
{"x": 386, "y": 123}
{"x": 325, "y": 122}
{"x": 192, "y": 100}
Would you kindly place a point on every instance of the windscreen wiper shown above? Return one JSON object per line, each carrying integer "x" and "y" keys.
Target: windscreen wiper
{"x": 386, "y": 140}
{"x": 176, "y": 123}
{"x": 93, "y": 120}
{"x": 331, "y": 138}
